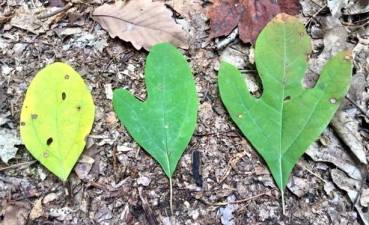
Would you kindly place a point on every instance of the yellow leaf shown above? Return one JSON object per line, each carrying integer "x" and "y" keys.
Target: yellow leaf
{"x": 57, "y": 115}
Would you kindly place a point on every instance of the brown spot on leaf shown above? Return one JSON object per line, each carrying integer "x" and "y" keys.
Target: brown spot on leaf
{"x": 49, "y": 141}
{"x": 64, "y": 96}
{"x": 34, "y": 116}
{"x": 287, "y": 98}
{"x": 66, "y": 77}
{"x": 23, "y": 124}
{"x": 78, "y": 108}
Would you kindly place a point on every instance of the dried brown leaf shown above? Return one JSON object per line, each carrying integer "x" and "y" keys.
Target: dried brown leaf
{"x": 251, "y": 16}
{"x": 185, "y": 7}
{"x": 16, "y": 213}
{"x": 30, "y": 19}
{"x": 142, "y": 22}
{"x": 332, "y": 151}
{"x": 224, "y": 17}
{"x": 352, "y": 188}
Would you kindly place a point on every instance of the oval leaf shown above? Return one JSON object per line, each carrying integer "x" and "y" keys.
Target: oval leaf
{"x": 57, "y": 115}
{"x": 287, "y": 118}
{"x": 164, "y": 123}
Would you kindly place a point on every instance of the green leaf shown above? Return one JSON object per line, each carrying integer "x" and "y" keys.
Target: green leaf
{"x": 287, "y": 118}
{"x": 57, "y": 115}
{"x": 164, "y": 123}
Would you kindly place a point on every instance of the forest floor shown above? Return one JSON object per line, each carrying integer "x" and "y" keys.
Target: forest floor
{"x": 115, "y": 178}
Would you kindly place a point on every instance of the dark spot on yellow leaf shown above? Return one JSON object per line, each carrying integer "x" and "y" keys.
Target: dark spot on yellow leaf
{"x": 78, "y": 108}
{"x": 34, "y": 116}
{"x": 49, "y": 141}
{"x": 22, "y": 123}
{"x": 64, "y": 96}
{"x": 66, "y": 77}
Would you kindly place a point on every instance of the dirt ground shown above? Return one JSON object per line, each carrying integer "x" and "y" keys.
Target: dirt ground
{"x": 104, "y": 186}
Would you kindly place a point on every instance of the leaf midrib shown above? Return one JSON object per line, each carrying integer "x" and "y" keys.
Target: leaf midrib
{"x": 164, "y": 125}
{"x": 282, "y": 103}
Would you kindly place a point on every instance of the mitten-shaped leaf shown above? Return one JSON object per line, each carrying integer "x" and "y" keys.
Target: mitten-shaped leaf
{"x": 287, "y": 118}
{"x": 163, "y": 124}
{"x": 57, "y": 115}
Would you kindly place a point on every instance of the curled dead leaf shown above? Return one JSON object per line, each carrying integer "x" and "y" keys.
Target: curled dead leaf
{"x": 16, "y": 213}
{"x": 332, "y": 151}
{"x": 250, "y": 16}
{"x": 347, "y": 128}
{"x": 142, "y": 22}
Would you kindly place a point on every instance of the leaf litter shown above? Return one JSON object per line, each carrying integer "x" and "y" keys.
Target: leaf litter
{"x": 221, "y": 138}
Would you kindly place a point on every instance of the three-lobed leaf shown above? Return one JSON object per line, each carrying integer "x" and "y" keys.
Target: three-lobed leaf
{"x": 287, "y": 118}
{"x": 57, "y": 115}
{"x": 164, "y": 123}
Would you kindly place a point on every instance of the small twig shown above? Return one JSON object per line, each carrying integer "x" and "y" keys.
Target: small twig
{"x": 17, "y": 165}
{"x": 98, "y": 185}
{"x": 56, "y": 12}
{"x": 311, "y": 172}
{"x": 196, "y": 167}
{"x": 231, "y": 164}
{"x": 357, "y": 106}
{"x": 315, "y": 14}
{"x": 237, "y": 201}
{"x": 114, "y": 153}
{"x": 316, "y": 3}
{"x": 147, "y": 210}
{"x": 226, "y": 133}
{"x": 223, "y": 43}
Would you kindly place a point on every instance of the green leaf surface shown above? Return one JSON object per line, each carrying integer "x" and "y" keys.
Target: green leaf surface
{"x": 164, "y": 123}
{"x": 287, "y": 118}
{"x": 57, "y": 115}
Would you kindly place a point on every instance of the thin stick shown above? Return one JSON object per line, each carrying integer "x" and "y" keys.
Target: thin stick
{"x": 56, "y": 12}
{"x": 238, "y": 201}
{"x": 311, "y": 172}
{"x": 171, "y": 195}
{"x": 357, "y": 106}
{"x": 283, "y": 204}
{"x": 17, "y": 165}
{"x": 315, "y": 14}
